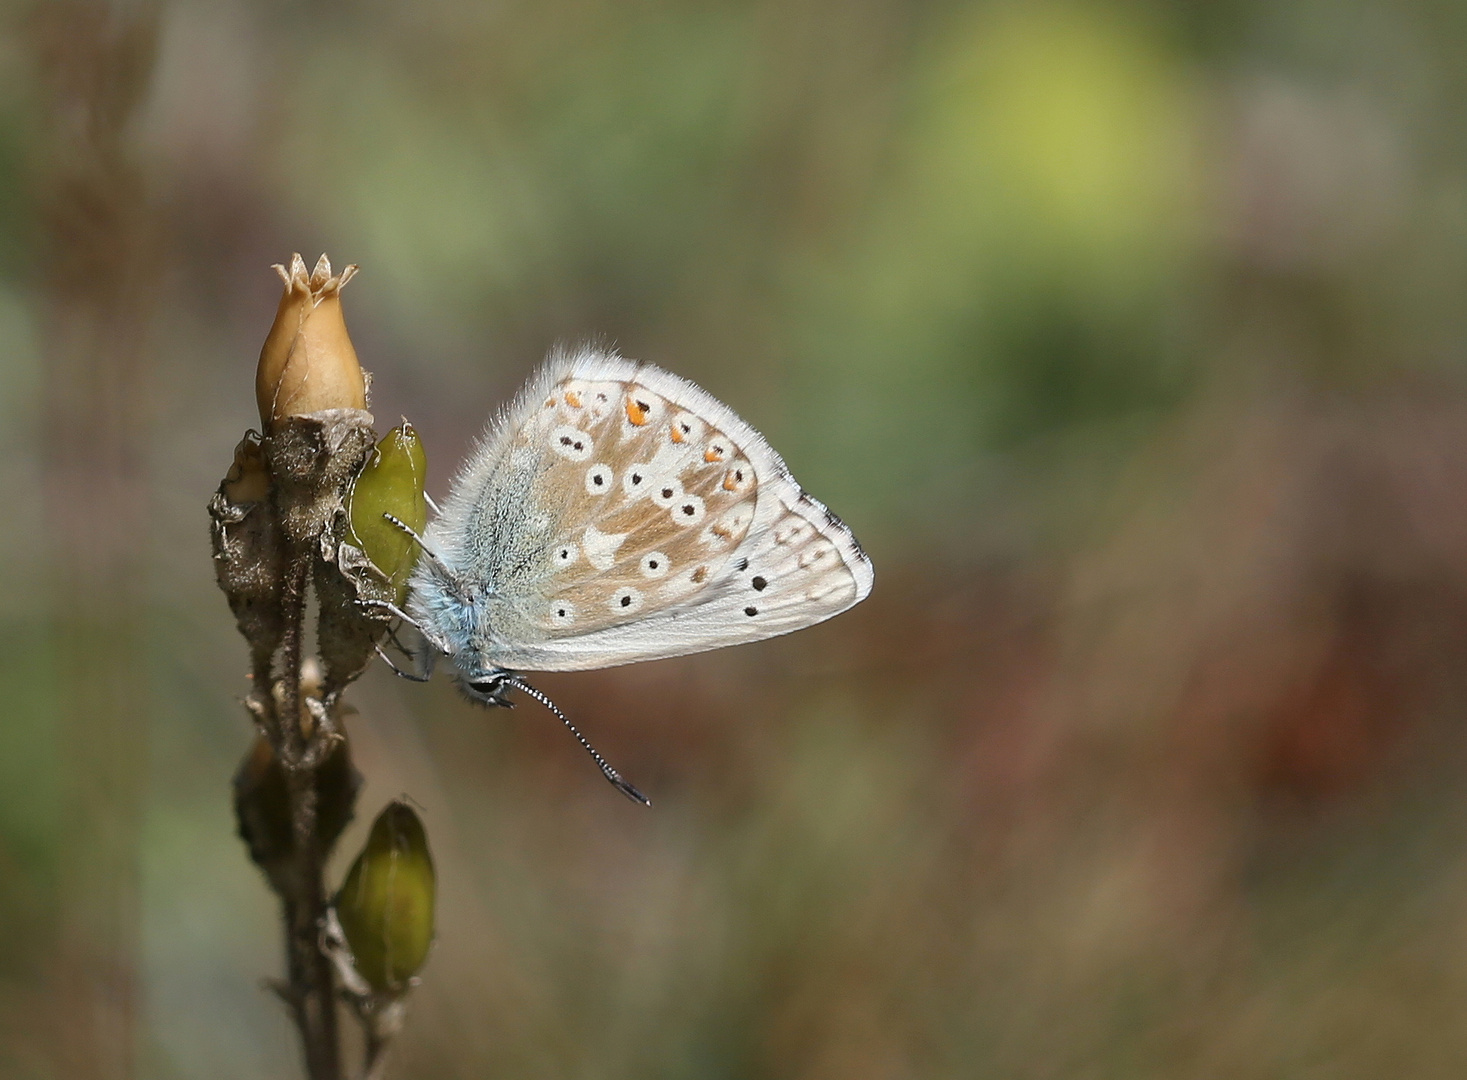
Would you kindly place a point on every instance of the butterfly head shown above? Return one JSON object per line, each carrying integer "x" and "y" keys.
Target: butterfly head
{"x": 490, "y": 690}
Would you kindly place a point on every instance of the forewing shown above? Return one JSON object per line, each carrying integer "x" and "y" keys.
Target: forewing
{"x": 628, "y": 515}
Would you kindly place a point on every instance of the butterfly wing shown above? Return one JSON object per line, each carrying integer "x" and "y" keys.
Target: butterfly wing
{"x": 617, "y": 513}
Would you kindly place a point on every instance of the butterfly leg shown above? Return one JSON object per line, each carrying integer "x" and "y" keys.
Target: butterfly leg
{"x": 389, "y": 608}
{"x": 411, "y": 676}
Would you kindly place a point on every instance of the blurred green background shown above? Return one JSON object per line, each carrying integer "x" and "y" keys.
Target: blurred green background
{"x": 1129, "y": 338}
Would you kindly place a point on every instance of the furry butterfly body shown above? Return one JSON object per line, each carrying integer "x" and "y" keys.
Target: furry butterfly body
{"x": 614, "y": 513}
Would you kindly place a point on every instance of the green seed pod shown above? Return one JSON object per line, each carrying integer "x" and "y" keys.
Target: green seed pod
{"x": 390, "y": 483}
{"x": 386, "y": 904}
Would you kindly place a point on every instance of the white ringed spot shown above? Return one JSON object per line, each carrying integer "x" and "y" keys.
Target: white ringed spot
{"x": 599, "y": 400}
{"x": 688, "y": 510}
{"x": 684, "y": 428}
{"x": 599, "y": 478}
{"x": 625, "y": 600}
{"x": 667, "y": 492}
{"x": 637, "y": 480}
{"x": 572, "y": 443}
{"x": 729, "y": 527}
{"x": 642, "y": 408}
{"x": 739, "y": 478}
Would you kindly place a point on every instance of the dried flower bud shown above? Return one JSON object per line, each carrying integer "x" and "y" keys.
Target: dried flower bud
{"x": 262, "y": 803}
{"x": 386, "y": 904}
{"x": 247, "y": 552}
{"x": 308, "y": 363}
{"x": 390, "y": 483}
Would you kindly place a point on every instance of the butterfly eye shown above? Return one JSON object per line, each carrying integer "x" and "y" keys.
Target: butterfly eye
{"x": 655, "y": 565}
{"x": 625, "y": 601}
{"x": 667, "y": 493}
{"x": 688, "y": 510}
{"x": 571, "y": 443}
{"x": 598, "y": 479}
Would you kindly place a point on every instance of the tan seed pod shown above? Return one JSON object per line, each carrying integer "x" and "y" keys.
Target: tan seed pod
{"x": 308, "y": 363}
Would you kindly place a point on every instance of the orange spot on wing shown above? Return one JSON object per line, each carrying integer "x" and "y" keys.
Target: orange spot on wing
{"x": 573, "y": 399}
{"x": 637, "y": 412}
{"x": 713, "y": 453}
{"x": 677, "y": 434}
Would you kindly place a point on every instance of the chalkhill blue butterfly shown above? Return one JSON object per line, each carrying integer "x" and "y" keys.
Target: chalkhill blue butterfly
{"x": 615, "y": 512}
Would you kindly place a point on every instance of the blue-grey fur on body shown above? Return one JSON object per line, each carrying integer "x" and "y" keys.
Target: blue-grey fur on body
{"x": 491, "y": 535}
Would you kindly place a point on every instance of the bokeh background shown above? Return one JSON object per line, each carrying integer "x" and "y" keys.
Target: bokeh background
{"x": 1129, "y": 337}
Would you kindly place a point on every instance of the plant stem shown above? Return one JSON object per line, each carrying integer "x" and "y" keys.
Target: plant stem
{"x": 376, "y": 1054}
{"x": 311, "y": 980}
{"x": 303, "y": 890}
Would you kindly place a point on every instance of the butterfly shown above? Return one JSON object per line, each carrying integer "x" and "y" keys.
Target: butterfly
{"x": 615, "y": 512}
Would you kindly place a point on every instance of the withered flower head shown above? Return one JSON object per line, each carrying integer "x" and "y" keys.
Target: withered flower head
{"x": 308, "y": 363}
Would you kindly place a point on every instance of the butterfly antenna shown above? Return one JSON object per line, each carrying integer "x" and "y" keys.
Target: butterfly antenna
{"x": 611, "y": 774}
{"x": 427, "y": 550}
